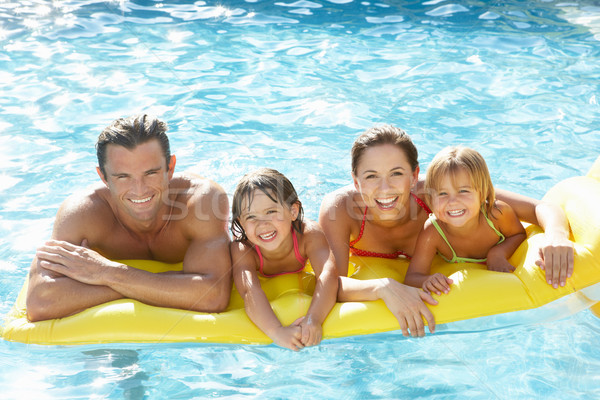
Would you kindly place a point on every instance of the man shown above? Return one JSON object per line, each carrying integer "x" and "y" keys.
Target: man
{"x": 140, "y": 211}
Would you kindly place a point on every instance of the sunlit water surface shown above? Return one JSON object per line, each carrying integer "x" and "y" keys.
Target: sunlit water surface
{"x": 288, "y": 85}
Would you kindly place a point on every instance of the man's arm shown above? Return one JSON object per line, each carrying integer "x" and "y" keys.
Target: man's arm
{"x": 203, "y": 285}
{"x": 53, "y": 295}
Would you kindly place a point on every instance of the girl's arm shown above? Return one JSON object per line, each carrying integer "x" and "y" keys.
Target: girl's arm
{"x": 556, "y": 256}
{"x": 417, "y": 274}
{"x": 335, "y": 222}
{"x": 506, "y": 221}
{"x": 256, "y": 303}
{"x": 326, "y": 288}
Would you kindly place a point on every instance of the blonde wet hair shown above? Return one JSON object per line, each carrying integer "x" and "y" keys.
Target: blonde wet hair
{"x": 451, "y": 161}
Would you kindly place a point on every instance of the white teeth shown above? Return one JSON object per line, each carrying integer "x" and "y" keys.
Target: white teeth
{"x": 387, "y": 201}
{"x": 141, "y": 200}
{"x": 267, "y": 236}
{"x": 456, "y": 213}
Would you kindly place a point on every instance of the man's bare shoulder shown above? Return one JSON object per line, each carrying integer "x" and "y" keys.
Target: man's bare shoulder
{"x": 201, "y": 200}
{"x": 198, "y": 187}
{"x": 89, "y": 207}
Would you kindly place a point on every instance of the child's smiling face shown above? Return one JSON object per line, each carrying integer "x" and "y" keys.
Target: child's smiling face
{"x": 456, "y": 201}
{"x": 267, "y": 223}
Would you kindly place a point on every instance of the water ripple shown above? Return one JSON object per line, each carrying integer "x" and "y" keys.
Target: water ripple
{"x": 248, "y": 84}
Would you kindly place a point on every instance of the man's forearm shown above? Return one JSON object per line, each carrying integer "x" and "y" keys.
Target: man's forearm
{"x": 196, "y": 292}
{"x": 62, "y": 296}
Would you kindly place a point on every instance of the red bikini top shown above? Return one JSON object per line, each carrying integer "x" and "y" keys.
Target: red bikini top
{"x": 366, "y": 253}
{"x": 299, "y": 257}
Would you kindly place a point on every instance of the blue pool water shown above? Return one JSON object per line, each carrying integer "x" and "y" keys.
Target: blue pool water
{"x": 289, "y": 84}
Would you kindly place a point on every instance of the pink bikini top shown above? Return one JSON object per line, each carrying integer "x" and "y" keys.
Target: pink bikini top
{"x": 301, "y": 260}
{"x": 367, "y": 253}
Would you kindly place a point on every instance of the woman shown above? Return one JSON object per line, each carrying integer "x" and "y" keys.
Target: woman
{"x": 382, "y": 214}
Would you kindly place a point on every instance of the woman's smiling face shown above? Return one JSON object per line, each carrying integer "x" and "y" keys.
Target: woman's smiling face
{"x": 384, "y": 179}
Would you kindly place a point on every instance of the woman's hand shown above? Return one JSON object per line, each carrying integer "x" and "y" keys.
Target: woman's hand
{"x": 407, "y": 305}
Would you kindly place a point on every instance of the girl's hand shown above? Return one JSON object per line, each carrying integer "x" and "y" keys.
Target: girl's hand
{"x": 311, "y": 332}
{"x": 288, "y": 336}
{"x": 437, "y": 283}
{"x": 498, "y": 263}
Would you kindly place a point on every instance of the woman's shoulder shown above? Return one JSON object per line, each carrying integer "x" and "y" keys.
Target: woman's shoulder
{"x": 341, "y": 204}
{"x": 341, "y": 195}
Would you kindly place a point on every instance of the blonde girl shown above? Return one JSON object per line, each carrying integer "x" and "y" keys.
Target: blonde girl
{"x": 271, "y": 239}
{"x": 468, "y": 224}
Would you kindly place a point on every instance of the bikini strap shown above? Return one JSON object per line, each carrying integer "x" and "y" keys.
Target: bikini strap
{"x": 260, "y": 257}
{"x": 421, "y": 203}
{"x": 443, "y": 235}
{"x": 362, "y": 228}
{"x": 491, "y": 224}
{"x": 299, "y": 257}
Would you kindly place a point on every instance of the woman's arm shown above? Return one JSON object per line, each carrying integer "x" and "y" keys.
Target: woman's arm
{"x": 256, "y": 303}
{"x": 335, "y": 221}
{"x": 556, "y": 255}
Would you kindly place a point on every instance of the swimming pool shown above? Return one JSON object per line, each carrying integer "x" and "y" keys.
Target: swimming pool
{"x": 289, "y": 85}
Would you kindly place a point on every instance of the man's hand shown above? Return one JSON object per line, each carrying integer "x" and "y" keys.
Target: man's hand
{"x": 77, "y": 262}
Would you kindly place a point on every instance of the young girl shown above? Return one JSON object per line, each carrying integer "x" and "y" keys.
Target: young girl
{"x": 468, "y": 224}
{"x": 271, "y": 239}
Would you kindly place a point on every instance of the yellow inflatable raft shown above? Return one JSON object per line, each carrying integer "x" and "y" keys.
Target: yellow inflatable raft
{"x": 479, "y": 299}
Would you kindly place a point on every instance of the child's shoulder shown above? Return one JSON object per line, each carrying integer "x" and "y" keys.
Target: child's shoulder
{"x": 429, "y": 229}
{"x": 243, "y": 255}
{"x": 239, "y": 247}
{"x": 313, "y": 234}
{"x": 311, "y": 229}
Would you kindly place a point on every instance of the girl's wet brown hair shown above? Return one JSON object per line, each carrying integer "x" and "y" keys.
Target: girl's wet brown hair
{"x": 273, "y": 184}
